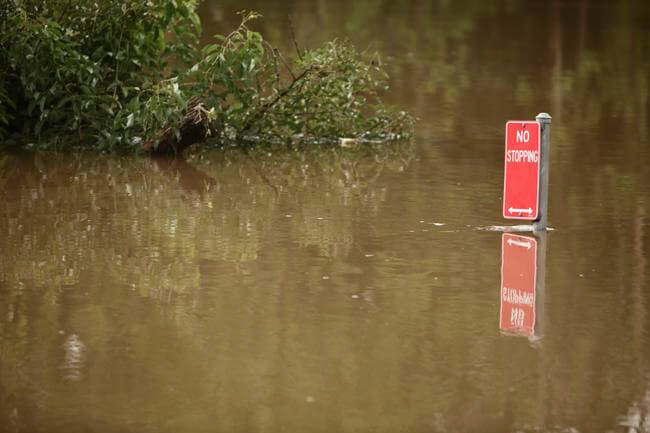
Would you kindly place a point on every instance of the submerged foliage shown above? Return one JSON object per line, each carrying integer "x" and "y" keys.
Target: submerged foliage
{"x": 131, "y": 75}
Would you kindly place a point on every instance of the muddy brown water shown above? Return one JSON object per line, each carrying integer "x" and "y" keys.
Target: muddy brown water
{"x": 351, "y": 291}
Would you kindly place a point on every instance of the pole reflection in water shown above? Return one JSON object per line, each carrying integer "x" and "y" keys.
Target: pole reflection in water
{"x": 523, "y": 263}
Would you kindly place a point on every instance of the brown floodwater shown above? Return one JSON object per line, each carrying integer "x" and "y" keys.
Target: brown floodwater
{"x": 354, "y": 290}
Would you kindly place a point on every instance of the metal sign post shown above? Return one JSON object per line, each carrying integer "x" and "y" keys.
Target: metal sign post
{"x": 544, "y": 120}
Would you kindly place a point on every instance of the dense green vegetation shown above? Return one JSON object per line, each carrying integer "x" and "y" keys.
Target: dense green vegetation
{"x": 131, "y": 75}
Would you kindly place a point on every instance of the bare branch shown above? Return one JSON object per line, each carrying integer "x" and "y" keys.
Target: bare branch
{"x": 293, "y": 36}
{"x": 286, "y": 64}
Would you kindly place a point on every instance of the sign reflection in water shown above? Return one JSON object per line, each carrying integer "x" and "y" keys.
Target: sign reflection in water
{"x": 523, "y": 260}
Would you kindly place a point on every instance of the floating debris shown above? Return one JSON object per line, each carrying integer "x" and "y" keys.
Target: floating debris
{"x": 348, "y": 142}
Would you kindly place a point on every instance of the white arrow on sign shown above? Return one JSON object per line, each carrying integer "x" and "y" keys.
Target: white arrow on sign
{"x": 515, "y": 210}
{"x": 526, "y": 244}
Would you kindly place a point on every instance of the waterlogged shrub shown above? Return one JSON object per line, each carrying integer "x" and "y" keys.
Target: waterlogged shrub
{"x": 71, "y": 69}
{"x": 130, "y": 75}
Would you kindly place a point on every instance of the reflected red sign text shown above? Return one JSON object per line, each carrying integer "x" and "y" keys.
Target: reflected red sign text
{"x": 518, "y": 283}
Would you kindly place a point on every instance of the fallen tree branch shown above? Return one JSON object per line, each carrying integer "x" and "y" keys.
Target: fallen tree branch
{"x": 266, "y": 107}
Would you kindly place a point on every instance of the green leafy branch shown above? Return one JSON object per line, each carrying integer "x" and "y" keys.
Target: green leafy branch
{"x": 130, "y": 75}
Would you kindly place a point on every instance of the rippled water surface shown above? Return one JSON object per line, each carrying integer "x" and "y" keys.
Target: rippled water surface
{"x": 354, "y": 290}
